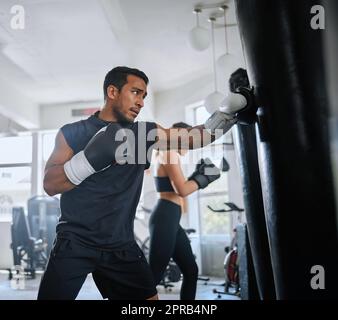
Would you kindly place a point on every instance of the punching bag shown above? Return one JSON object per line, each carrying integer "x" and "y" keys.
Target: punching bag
{"x": 285, "y": 64}
{"x": 245, "y": 142}
{"x": 331, "y": 67}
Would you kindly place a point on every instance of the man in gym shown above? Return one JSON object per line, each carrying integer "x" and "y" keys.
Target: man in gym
{"x": 100, "y": 191}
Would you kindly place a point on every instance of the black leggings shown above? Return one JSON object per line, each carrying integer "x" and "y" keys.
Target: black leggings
{"x": 168, "y": 239}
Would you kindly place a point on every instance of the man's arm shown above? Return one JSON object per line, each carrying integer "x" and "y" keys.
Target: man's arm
{"x": 232, "y": 108}
{"x": 64, "y": 170}
{"x": 183, "y": 138}
{"x": 55, "y": 180}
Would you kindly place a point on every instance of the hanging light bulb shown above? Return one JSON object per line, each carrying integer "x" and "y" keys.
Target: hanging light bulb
{"x": 213, "y": 100}
{"x": 199, "y": 37}
{"x": 227, "y": 62}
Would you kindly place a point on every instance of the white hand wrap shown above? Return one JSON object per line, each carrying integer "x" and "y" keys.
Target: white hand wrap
{"x": 233, "y": 102}
{"x": 78, "y": 168}
{"x": 219, "y": 121}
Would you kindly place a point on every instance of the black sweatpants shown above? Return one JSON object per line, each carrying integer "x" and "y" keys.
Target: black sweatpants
{"x": 119, "y": 274}
{"x": 168, "y": 239}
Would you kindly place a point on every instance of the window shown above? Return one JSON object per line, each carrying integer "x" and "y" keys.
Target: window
{"x": 16, "y": 150}
{"x": 15, "y": 187}
{"x": 15, "y": 174}
{"x": 214, "y": 223}
{"x": 48, "y": 141}
{"x": 216, "y": 194}
{"x": 201, "y": 115}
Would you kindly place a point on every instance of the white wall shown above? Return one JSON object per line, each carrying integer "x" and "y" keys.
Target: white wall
{"x": 170, "y": 105}
{"x": 55, "y": 116}
{"x": 17, "y": 107}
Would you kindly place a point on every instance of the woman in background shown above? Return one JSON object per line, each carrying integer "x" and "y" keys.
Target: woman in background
{"x": 167, "y": 237}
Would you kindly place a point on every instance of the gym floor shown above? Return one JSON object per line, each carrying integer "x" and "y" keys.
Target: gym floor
{"x": 90, "y": 292}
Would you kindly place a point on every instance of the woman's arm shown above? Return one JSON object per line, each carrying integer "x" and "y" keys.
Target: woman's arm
{"x": 172, "y": 166}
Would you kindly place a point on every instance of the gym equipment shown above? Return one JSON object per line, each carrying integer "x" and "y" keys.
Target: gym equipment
{"x": 231, "y": 270}
{"x": 27, "y": 250}
{"x": 286, "y": 60}
{"x": 43, "y": 215}
{"x": 231, "y": 262}
{"x": 232, "y": 208}
{"x": 246, "y": 149}
{"x": 239, "y": 272}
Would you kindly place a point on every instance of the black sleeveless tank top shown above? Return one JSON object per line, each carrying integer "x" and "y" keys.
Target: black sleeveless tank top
{"x": 100, "y": 211}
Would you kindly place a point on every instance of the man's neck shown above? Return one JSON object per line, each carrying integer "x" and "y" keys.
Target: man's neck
{"x": 106, "y": 114}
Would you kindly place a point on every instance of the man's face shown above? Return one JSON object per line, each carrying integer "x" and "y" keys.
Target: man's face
{"x": 130, "y": 99}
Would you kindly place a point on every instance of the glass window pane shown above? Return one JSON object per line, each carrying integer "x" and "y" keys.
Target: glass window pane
{"x": 16, "y": 149}
{"x": 15, "y": 189}
{"x": 213, "y": 223}
{"x": 48, "y": 144}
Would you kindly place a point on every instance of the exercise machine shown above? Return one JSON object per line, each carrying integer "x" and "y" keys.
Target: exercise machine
{"x": 28, "y": 251}
{"x": 231, "y": 261}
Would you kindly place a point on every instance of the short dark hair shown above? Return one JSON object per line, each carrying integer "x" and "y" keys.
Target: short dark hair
{"x": 239, "y": 78}
{"x": 118, "y": 78}
{"x": 181, "y": 125}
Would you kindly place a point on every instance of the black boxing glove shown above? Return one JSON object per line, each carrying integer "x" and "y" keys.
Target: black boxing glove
{"x": 100, "y": 153}
{"x": 205, "y": 173}
{"x": 241, "y": 105}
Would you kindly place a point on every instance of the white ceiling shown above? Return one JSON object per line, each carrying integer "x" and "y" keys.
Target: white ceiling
{"x": 67, "y": 46}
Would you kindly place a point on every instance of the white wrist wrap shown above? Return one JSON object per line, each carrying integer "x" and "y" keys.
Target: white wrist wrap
{"x": 233, "y": 103}
{"x": 78, "y": 168}
{"x": 219, "y": 121}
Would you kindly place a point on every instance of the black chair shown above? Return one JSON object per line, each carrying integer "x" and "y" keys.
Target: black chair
{"x": 29, "y": 251}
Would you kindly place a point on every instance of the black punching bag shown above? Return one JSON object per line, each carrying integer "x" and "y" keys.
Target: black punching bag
{"x": 331, "y": 66}
{"x": 286, "y": 67}
{"x": 245, "y": 141}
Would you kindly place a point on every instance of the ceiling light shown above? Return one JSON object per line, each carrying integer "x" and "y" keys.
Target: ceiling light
{"x": 213, "y": 100}
{"x": 227, "y": 62}
{"x": 199, "y": 37}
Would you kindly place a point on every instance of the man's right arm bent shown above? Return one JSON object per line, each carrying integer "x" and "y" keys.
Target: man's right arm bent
{"x": 55, "y": 180}
{"x": 64, "y": 170}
